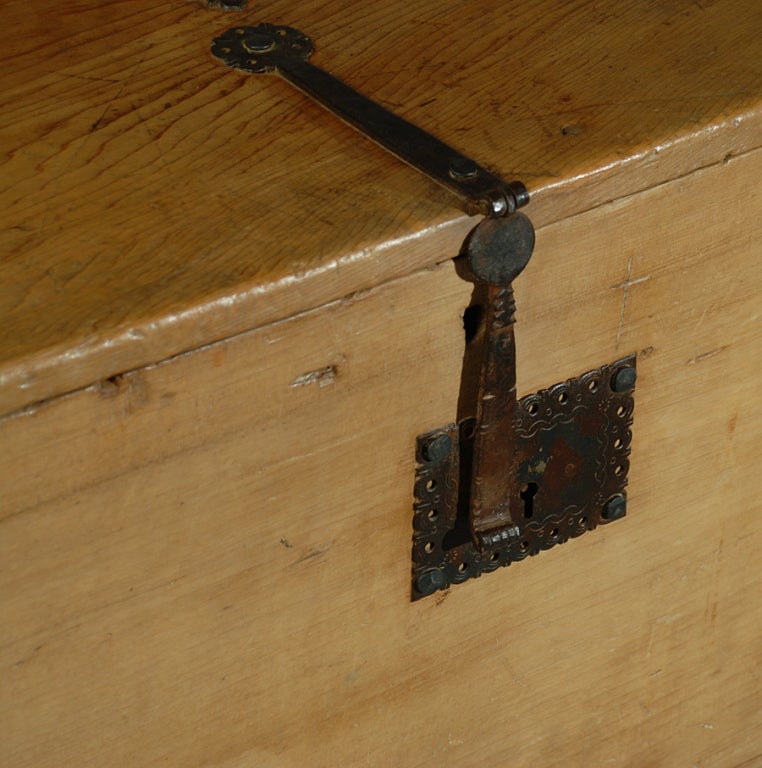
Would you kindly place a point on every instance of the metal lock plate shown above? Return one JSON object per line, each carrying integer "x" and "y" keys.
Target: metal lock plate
{"x": 572, "y": 457}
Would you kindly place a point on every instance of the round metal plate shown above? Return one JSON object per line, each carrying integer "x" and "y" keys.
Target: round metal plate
{"x": 261, "y": 48}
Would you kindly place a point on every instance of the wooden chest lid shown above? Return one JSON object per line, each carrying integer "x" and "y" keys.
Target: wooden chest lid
{"x": 154, "y": 201}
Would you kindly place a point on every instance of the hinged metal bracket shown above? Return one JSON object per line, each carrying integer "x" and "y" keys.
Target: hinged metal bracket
{"x": 508, "y": 478}
{"x": 267, "y": 48}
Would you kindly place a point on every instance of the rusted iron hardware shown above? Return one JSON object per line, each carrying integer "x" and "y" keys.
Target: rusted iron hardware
{"x": 284, "y": 51}
{"x": 567, "y": 476}
{"x": 225, "y": 5}
{"x": 509, "y": 477}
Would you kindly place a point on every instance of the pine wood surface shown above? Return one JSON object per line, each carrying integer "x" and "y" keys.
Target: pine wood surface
{"x": 153, "y": 200}
{"x": 206, "y": 562}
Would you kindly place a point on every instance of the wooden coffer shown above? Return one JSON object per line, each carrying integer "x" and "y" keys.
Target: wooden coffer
{"x": 227, "y": 317}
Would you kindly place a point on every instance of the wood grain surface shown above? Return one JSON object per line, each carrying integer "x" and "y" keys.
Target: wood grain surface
{"x": 207, "y": 562}
{"x": 153, "y": 201}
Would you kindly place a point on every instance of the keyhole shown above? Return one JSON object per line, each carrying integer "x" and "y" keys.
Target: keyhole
{"x": 527, "y": 493}
{"x": 472, "y": 321}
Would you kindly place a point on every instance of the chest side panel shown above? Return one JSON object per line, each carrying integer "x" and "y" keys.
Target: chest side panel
{"x": 207, "y": 561}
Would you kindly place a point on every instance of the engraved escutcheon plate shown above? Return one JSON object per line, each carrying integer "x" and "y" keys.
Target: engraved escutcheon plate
{"x": 573, "y": 448}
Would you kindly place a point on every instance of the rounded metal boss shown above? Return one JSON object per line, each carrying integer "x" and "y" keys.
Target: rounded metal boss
{"x": 497, "y": 250}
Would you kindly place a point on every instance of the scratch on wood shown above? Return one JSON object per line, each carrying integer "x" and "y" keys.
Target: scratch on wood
{"x": 624, "y": 306}
{"x": 33, "y": 653}
{"x": 650, "y": 642}
{"x": 713, "y": 599}
{"x": 707, "y": 355}
{"x": 89, "y": 78}
{"x": 351, "y": 677}
{"x": 323, "y": 377}
{"x": 626, "y": 284}
{"x": 750, "y": 763}
{"x": 314, "y": 552}
{"x": 97, "y": 124}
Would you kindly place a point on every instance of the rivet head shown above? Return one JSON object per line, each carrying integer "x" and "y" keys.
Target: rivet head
{"x": 438, "y": 448}
{"x": 624, "y": 379}
{"x": 615, "y": 508}
{"x": 430, "y": 581}
{"x": 463, "y": 168}
{"x": 258, "y": 42}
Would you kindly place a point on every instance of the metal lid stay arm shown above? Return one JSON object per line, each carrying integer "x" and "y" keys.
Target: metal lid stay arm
{"x": 284, "y": 50}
